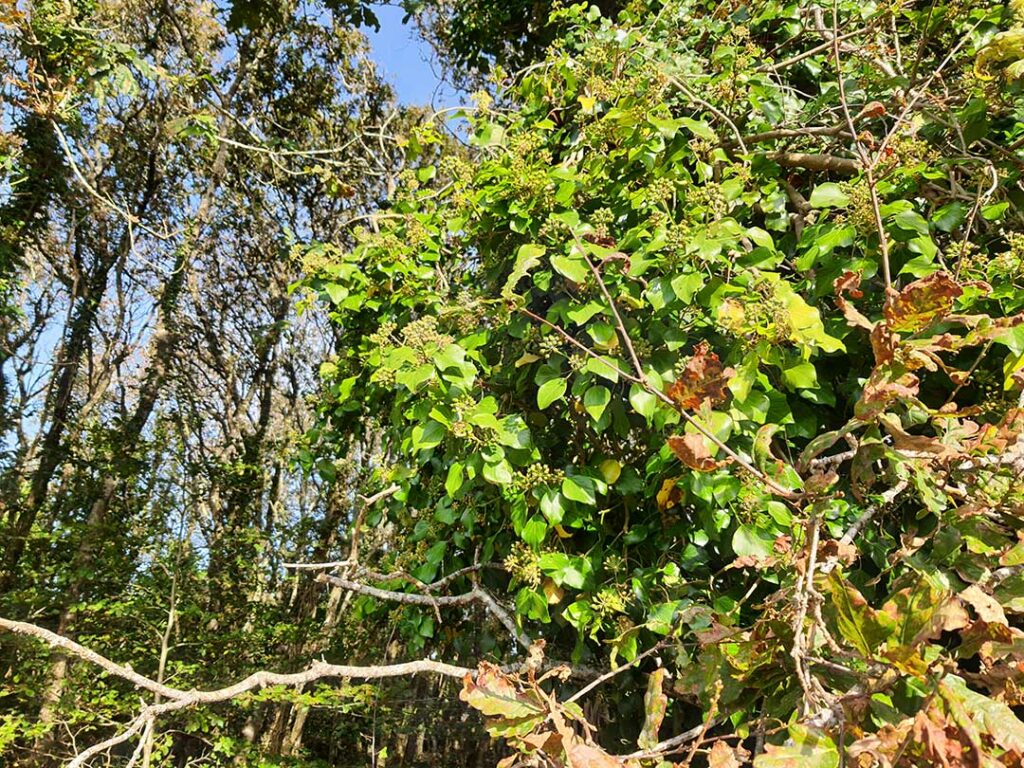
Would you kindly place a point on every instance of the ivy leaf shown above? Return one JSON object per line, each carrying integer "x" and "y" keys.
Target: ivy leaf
{"x": 580, "y": 488}
{"x": 749, "y": 542}
{"x": 535, "y": 531}
{"x": 552, "y": 508}
{"x": 498, "y": 472}
{"x": 643, "y": 402}
{"x": 549, "y": 392}
{"x": 566, "y": 570}
{"x": 532, "y": 605}
{"x": 828, "y": 195}
{"x": 427, "y": 435}
{"x": 805, "y": 326}
{"x": 336, "y": 292}
{"x": 573, "y": 269}
{"x": 453, "y": 482}
{"x": 527, "y": 258}
{"x": 596, "y": 400}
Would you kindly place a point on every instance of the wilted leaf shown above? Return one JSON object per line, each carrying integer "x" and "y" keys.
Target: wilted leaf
{"x": 916, "y": 613}
{"x": 840, "y": 551}
{"x": 881, "y": 747}
{"x": 590, "y": 756}
{"x": 938, "y": 747}
{"x": 724, "y": 756}
{"x": 810, "y": 748}
{"x": 655, "y": 705}
{"x": 922, "y": 302}
{"x": 693, "y": 451}
{"x": 886, "y": 384}
{"x": 864, "y": 627}
{"x": 669, "y": 495}
{"x": 703, "y": 380}
{"x": 552, "y": 592}
{"x": 987, "y": 607}
{"x": 493, "y": 693}
{"x": 988, "y": 715}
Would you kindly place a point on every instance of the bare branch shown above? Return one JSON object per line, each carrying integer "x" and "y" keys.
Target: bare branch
{"x": 823, "y": 163}
{"x": 179, "y": 699}
{"x": 476, "y": 595}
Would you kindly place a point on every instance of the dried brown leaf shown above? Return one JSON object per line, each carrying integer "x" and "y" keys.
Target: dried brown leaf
{"x": 703, "y": 380}
{"x": 590, "y": 756}
{"x": 985, "y": 606}
{"x": 724, "y": 756}
{"x": 693, "y": 452}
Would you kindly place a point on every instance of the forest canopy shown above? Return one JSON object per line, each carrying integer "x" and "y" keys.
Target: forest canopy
{"x": 661, "y": 405}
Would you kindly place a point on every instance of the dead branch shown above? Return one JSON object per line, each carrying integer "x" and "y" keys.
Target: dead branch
{"x": 476, "y": 595}
{"x": 178, "y": 699}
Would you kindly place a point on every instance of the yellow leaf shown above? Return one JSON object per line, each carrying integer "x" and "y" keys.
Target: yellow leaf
{"x": 610, "y": 470}
{"x": 553, "y": 592}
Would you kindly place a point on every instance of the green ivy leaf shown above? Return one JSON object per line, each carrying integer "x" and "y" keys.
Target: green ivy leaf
{"x": 549, "y": 392}
{"x": 829, "y": 195}
{"x": 580, "y": 488}
{"x": 527, "y": 258}
{"x": 596, "y": 400}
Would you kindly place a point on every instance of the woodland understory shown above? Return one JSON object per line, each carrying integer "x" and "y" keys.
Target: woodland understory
{"x": 660, "y": 405}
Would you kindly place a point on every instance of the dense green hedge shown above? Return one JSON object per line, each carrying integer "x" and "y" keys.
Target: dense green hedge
{"x": 711, "y": 347}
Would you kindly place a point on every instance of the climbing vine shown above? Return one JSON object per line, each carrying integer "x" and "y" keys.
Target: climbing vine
{"x": 708, "y": 359}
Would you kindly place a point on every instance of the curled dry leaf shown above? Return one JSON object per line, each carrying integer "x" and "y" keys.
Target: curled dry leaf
{"x": 987, "y": 607}
{"x": 493, "y": 693}
{"x": 669, "y": 495}
{"x": 655, "y": 706}
{"x": 848, "y": 284}
{"x": 938, "y": 739}
{"x": 589, "y": 756}
{"x": 693, "y": 451}
{"x": 838, "y": 550}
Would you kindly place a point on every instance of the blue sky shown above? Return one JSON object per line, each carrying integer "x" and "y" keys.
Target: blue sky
{"x": 405, "y": 61}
